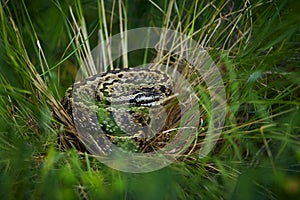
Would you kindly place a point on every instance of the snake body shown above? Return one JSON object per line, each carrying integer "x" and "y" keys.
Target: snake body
{"x": 132, "y": 107}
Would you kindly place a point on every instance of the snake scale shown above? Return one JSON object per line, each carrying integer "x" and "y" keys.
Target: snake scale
{"x": 134, "y": 108}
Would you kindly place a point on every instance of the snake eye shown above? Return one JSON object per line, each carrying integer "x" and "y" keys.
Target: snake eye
{"x": 162, "y": 89}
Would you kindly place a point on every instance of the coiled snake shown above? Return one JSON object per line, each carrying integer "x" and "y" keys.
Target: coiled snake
{"x": 136, "y": 109}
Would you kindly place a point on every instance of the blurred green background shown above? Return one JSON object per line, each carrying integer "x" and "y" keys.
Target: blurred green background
{"x": 258, "y": 155}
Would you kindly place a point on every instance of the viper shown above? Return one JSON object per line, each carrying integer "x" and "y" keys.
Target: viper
{"x": 135, "y": 109}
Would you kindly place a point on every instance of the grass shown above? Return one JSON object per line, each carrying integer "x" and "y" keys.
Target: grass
{"x": 256, "y": 46}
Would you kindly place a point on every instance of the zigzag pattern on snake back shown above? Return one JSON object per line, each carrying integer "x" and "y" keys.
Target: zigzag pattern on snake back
{"x": 134, "y": 108}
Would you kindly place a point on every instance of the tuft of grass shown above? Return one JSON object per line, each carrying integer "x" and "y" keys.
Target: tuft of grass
{"x": 254, "y": 43}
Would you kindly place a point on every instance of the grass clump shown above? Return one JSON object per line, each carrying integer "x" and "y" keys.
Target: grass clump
{"x": 254, "y": 43}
